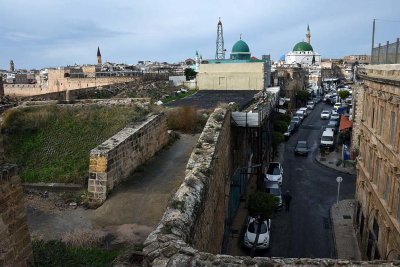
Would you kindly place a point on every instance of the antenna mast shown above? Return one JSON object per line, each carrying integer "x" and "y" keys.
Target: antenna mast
{"x": 220, "y": 51}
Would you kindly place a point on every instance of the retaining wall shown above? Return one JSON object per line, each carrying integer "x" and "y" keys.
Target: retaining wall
{"x": 113, "y": 160}
{"x": 15, "y": 242}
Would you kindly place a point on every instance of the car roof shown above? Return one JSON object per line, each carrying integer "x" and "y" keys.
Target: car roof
{"x": 327, "y": 133}
{"x": 271, "y": 184}
{"x": 301, "y": 142}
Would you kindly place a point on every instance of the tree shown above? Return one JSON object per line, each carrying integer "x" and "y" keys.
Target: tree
{"x": 263, "y": 206}
{"x": 302, "y": 96}
{"x": 280, "y": 126}
{"x": 343, "y": 94}
{"x": 190, "y": 73}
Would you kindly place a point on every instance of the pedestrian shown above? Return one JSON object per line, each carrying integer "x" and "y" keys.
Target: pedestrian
{"x": 286, "y": 199}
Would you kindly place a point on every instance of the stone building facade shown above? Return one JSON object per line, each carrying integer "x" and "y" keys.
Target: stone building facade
{"x": 377, "y": 217}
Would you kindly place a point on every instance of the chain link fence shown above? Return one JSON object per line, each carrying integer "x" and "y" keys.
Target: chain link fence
{"x": 386, "y": 54}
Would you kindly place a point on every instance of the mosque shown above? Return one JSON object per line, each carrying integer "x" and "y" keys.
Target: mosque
{"x": 303, "y": 53}
{"x": 240, "y": 72}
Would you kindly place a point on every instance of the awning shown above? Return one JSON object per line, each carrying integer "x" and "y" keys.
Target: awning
{"x": 345, "y": 123}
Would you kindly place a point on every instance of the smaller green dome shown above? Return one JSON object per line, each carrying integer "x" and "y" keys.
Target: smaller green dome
{"x": 240, "y": 47}
{"x": 303, "y": 46}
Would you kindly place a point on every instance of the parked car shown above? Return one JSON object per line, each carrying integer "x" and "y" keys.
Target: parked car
{"x": 305, "y": 111}
{"x": 317, "y": 100}
{"x": 275, "y": 190}
{"x": 253, "y": 225}
{"x": 274, "y": 173}
{"x": 301, "y": 148}
{"x": 310, "y": 105}
{"x": 334, "y": 119}
{"x": 331, "y": 125}
{"x": 296, "y": 120}
{"x": 327, "y": 139}
{"x": 290, "y": 130}
{"x": 300, "y": 114}
{"x": 337, "y": 105}
{"x": 325, "y": 114}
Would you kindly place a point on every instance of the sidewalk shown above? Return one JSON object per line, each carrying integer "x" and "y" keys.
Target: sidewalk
{"x": 343, "y": 231}
{"x": 329, "y": 160}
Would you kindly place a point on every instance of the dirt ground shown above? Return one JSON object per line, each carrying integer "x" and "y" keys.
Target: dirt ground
{"x": 130, "y": 212}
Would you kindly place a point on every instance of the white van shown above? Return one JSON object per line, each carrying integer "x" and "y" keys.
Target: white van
{"x": 327, "y": 139}
{"x": 301, "y": 114}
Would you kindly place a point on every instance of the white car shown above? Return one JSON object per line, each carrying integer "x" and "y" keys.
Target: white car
{"x": 337, "y": 105}
{"x": 310, "y": 104}
{"x": 253, "y": 225}
{"x": 274, "y": 173}
{"x": 325, "y": 115}
{"x": 305, "y": 111}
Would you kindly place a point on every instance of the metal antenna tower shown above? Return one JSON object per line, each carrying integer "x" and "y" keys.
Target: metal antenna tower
{"x": 220, "y": 51}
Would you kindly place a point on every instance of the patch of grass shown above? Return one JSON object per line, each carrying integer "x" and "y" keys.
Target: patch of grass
{"x": 52, "y": 143}
{"x": 57, "y": 253}
{"x": 178, "y": 96}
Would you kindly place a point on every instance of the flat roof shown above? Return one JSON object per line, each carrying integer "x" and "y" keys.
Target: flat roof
{"x": 210, "y": 99}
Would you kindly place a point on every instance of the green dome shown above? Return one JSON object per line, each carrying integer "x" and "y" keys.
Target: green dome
{"x": 303, "y": 46}
{"x": 240, "y": 47}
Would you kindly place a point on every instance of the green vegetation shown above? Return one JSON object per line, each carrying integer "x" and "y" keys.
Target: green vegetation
{"x": 280, "y": 126}
{"x": 343, "y": 94}
{"x": 56, "y": 253}
{"x": 277, "y": 137}
{"x": 262, "y": 204}
{"x": 178, "y": 96}
{"x": 52, "y": 143}
{"x": 186, "y": 119}
{"x": 190, "y": 74}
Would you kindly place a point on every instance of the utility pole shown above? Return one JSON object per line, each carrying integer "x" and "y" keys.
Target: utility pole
{"x": 373, "y": 39}
{"x": 220, "y": 51}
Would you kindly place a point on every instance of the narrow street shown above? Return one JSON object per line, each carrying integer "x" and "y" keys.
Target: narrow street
{"x": 306, "y": 231}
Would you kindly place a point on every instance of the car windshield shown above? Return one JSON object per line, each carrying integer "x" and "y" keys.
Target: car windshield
{"x": 295, "y": 119}
{"x": 253, "y": 227}
{"x": 325, "y": 112}
{"x": 273, "y": 169}
{"x": 301, "y": 145}
{"x": 273, "y": 191}
{"x": 332, "y": 123}
{"x": 327, "y": 138}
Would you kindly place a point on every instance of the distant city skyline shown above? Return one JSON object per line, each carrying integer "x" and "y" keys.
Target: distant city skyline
{"x": 52, "y": 33}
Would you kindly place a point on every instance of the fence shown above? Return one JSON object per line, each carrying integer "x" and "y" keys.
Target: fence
{"x": 386, "y": 54}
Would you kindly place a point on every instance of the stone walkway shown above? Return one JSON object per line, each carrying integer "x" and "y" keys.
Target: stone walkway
{"x": 343, "y": 230}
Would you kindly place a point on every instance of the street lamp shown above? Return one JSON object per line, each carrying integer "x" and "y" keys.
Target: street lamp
{"x": 338, "y": 180}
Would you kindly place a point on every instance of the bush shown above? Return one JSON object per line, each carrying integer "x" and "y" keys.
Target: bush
{"x": 277, "y": 137}
{"x": 57, "y": 253}
{"x": 280, "y": 126}
{"x": 185, "y": 119}
{"x": 285, "y": 117}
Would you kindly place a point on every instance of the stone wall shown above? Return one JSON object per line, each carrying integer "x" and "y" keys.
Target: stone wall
{"x": 191, "y": 216}
{"x": 58, "y": 85}
{"x": 113, "y": 160}
{"x": 15, "y": 243}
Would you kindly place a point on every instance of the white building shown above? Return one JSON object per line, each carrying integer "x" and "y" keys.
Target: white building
{"x": 303, "y": 53}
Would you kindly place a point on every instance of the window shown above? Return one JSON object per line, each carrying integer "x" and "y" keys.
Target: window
{"x": 398, "y": 205}
{"x": 387, "y": 189}
{"x": 392, "y": 127}
{"x": 377, "y": 171}
{"x": 381, "y": 120}
{"x": 373, "y": 117}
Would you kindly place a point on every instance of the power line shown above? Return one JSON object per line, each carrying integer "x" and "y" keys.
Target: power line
{"x": 388, "y": 20}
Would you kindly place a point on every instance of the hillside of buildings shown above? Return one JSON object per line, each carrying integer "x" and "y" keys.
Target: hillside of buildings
{"x": 52, "y": 143}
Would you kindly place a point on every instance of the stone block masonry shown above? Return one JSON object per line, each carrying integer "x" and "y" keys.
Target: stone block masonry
{"x": 15, "y": 242}
{"x": 115, "y": 159}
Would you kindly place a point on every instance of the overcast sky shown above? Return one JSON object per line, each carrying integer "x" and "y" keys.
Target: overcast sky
{"x": 50, "y": 33}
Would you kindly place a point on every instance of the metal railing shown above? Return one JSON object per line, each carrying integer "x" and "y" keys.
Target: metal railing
{"x": 386, "y": 54}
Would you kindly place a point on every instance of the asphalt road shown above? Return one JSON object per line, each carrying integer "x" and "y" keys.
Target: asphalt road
{"x": 305, "y": 231}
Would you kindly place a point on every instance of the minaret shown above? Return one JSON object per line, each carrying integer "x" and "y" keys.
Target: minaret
{"x": 308, "y": 35}
{"x": 98, "y": 56}
{"x": 220, "y": 51}
{"x": 11, "y": 65}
